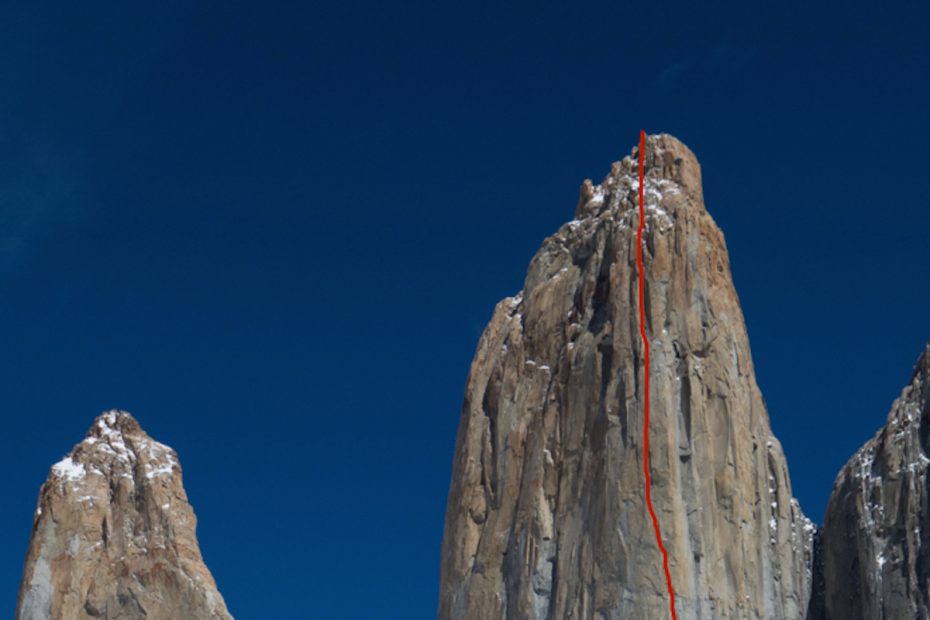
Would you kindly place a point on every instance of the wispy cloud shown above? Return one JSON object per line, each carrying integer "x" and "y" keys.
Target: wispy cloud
{"x": 719, "y": 60}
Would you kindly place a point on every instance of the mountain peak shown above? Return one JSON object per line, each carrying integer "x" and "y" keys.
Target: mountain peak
{"x": 672, "y": 177}
{"x": 114, "y": 535}
{"x": 546, "y": 515}
{"x": 116, "y": 419}
{"x": 115, "y": 446}
{"x": 668, "y": 158}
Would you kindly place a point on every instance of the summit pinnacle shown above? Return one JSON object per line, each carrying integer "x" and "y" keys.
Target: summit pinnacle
{"x": 114, "y": 535}
{"x": 546, "y": 515}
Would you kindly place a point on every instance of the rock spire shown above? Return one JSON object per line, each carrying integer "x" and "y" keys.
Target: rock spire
{"x": 114, "y": 535}
{"x": 546, "y": 516}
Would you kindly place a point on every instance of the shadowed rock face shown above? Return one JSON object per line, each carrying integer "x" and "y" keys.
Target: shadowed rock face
{"x": 114, "y": 535}
{"x": 876, "y": 534}
{"x": 546, "y": 516}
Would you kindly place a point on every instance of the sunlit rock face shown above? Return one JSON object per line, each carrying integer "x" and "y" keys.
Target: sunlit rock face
{"x": 546, "y": 514}
{"x": 876, "y": 534}
{"x": 114, "y": 535}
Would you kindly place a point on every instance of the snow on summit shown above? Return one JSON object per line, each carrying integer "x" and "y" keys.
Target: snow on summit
{"x": 117, "y": 444}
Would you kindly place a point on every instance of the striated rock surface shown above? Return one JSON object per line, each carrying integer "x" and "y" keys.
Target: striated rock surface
{"x": 546, "y": 515}
{"x": 876, "y": 533}
{"x": 114, "y": 535}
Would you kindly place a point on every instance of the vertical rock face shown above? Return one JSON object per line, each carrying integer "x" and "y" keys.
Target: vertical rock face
{"x": 546, "y": 516}
{"x": 876, "y": 534}
{"x": 114, "y": 535}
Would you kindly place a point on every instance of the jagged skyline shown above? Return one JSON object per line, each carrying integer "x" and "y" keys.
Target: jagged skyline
{"x": 274, "y": 233}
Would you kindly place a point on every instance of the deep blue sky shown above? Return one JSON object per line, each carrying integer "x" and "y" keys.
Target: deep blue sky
{"x": 275, "y": 232}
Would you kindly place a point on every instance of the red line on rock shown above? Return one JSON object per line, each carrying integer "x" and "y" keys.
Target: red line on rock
{"x": 642, "y": 332}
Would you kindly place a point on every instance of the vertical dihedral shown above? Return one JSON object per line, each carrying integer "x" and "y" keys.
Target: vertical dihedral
{"x": 876, "y": 533}
{"x": 546, "y": 516}
{"x": 114, "y": 535}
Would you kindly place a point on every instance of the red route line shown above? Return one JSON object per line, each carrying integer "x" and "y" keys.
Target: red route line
{"x": 642, "y": 332}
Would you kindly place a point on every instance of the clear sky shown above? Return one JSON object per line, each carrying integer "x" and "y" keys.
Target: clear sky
{"x": 274, "y": 232}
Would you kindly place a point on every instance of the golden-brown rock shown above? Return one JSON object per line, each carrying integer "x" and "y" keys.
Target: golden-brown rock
{"x": 546, "y": 516}
{"x": 114, "y": 535}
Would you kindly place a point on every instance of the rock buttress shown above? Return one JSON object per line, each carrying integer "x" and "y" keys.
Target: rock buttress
{"x": 876, "y": 533}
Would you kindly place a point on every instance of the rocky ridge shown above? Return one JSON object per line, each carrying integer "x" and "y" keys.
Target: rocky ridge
{"x": 113, "y": 535}
{"x": 876, "y": 532}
